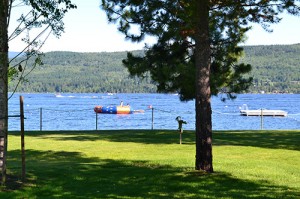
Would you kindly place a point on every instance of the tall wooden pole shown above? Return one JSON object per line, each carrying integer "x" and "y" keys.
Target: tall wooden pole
{"x": 22, "y": 137}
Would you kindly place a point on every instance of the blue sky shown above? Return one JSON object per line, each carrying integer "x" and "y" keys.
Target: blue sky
{"x": 87, "y": 30}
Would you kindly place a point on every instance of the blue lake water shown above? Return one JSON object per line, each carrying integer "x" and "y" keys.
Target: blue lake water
{"x": 74, "y": 111}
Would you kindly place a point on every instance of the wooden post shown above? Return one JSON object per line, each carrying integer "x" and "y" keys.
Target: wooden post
{"x": 22, "y": 138}
{"x": 2, "y": 159}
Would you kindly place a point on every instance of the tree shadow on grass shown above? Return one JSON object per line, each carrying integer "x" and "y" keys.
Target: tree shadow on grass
{"x": 265, "y": 139}
{"x": 136, "y": 136}
{"x": 71, "y": 175}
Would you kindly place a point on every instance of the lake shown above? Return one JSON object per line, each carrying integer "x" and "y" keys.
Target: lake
{"x": 74, "y": 111}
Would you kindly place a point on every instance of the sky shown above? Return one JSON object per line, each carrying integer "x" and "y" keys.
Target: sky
{"x": 87, "y": 30}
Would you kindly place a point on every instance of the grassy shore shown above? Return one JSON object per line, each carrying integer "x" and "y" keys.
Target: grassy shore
{"x": 152, "y": 164}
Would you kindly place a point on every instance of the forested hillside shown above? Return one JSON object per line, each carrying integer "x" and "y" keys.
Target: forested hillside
{"x": 275, "y": 69}
{"x": 83, "y": 72}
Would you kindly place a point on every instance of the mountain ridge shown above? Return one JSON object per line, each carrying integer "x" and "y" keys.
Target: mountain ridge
{"x": 276, "y": 69}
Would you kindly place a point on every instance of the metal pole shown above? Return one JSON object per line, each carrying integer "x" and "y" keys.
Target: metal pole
{"x": 152, "y": 118}
{"x": 22, "y": 138}
{"x": 41, "y": 119}
{"x": 261, "y": 120}
{"x": 180, "y": 137}
{"x": 96, "y": 121}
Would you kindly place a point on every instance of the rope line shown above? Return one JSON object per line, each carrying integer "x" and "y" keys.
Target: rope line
{"x": 161, "y": 110}
{"x": 57, "y": 110}
{"x": 34, "y": 114}
{"x": 49, "y": 109}
{"x": 294, "y": 114}
{"x": 225, "y": 113}
{"x": 187, "y": 112}
{"x": 296, "y": 119}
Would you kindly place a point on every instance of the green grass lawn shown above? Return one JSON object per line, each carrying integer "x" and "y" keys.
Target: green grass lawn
{"x": 152, "y": 164}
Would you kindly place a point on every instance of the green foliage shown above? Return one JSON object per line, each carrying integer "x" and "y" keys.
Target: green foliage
{"x": 49, "y": 13}
{"x": 275, "y": 68}
{"x": 171, "y": 61}
{"x": 12, "y": 74}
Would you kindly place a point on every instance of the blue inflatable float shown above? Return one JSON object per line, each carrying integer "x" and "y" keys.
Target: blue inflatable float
{"x": 116, "y": 110}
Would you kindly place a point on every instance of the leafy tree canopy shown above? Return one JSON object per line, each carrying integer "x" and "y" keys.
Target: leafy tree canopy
{"x": 47, "y": 17}
{"x": 171, "y": 60}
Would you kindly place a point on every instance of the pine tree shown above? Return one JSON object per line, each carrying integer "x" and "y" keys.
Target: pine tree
{"x": 197, "y": 49}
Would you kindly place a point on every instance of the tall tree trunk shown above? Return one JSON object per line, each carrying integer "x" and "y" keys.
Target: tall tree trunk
{"x": 203, "y": 92}
{"x": 3, "y": 87}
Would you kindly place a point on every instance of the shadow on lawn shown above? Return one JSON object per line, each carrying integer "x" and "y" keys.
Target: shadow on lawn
{"x": 265, "y": 139}
{"x": 70, "y": 175}
{"x": 136, "y": 136}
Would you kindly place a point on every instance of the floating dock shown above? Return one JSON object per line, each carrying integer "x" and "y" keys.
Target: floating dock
{"x": 264, "y": 112}
{"x": 261, "y": 112}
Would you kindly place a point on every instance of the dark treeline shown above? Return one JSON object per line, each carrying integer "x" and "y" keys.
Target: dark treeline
{"x": 276, "y": 68}
{"x": 83, "y": 72}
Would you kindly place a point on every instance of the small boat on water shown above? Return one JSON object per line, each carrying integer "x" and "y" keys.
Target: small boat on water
{"x": 116, "y": 109}
{"x": 262, "y": 112}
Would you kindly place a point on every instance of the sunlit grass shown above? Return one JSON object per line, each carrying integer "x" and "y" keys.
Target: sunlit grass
{"x": 152, "y": 164}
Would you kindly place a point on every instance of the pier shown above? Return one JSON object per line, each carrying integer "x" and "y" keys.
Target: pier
{"x": 261, "y": 112}
{"x": 264, "y": 112}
